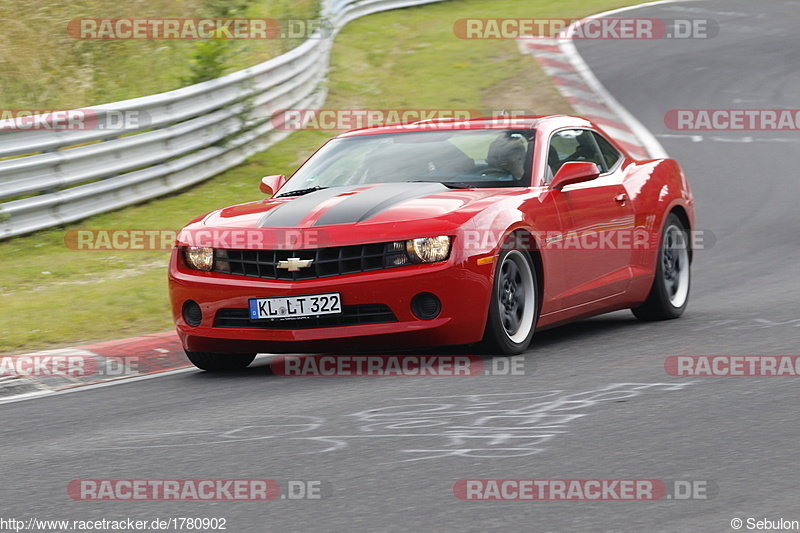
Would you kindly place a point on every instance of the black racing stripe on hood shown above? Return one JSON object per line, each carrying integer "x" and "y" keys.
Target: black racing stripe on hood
{"x": 366, "y": 204}
{"x": 290, "y": 214}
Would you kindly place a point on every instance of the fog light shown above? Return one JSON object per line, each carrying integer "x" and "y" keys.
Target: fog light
{"x": 426, "y": 306}
{"x": 192, "y": 313}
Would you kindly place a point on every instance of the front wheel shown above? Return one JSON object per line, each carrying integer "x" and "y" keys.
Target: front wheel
{"x": 220, "y": 362}
{"x": 670, "y": 292}
{"x": 513, "y": 309}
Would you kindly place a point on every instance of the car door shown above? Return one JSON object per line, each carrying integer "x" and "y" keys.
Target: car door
{"x": 597, "y": 221}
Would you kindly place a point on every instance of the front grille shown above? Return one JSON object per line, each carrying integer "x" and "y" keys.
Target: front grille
{"x": 351, "y": 315}
{"x": 325, "y": 262}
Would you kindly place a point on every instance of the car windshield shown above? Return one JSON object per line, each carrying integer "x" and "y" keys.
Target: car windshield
{"x": 459, "y": 158}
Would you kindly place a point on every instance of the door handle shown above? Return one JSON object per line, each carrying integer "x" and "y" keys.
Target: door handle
{"x": 621, "y": 198}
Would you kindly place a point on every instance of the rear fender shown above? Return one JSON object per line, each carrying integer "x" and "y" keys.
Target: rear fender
{"x": 656, "y": 188}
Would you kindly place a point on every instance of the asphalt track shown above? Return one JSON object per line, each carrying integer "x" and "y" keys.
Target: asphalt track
{"x": 595, "y": 401}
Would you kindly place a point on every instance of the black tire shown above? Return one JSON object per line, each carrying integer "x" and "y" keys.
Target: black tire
{"x": 220, "y": 362}
{"x": 514, "y": 306}
{"x": 669, "y": 294}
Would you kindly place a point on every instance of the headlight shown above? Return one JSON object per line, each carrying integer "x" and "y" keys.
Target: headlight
{"x": 428, "y": 249}
{"x": 200, "y": 257}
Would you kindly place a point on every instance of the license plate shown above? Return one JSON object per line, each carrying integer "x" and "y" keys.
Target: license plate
{"x": 296, "y": 306}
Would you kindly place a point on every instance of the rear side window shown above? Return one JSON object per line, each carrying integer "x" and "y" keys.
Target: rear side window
{"x": 610, "y": 154}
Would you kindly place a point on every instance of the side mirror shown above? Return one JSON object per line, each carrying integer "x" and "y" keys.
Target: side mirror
{"x": 272, "y": 184}
{"x": 574, "y": 172}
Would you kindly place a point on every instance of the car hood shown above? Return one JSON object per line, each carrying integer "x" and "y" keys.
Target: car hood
{"x": 339, "y": 208}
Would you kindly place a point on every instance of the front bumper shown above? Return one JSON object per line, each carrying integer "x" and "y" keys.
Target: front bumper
{"x": 462, "y": 286}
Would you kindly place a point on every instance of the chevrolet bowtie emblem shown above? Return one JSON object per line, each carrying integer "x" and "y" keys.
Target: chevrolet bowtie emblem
{"x": 293, "y": 264}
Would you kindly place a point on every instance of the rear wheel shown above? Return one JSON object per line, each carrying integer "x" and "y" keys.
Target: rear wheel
{"x": 513, "y": 309}
{"x": 219, "y": 362}
{"x": 670, "y": 292}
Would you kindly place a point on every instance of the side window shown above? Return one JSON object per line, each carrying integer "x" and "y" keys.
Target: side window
{"x": 610, "y": 154}
{"x": 573, "y": 145}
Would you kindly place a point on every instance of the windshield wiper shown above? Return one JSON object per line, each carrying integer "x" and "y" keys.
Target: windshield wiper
{"x": 448, "y": 184}
{"x": 299, "y": 192}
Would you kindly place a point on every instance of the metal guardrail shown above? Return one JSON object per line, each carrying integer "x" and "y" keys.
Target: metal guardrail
{"x": 190, "y": 135}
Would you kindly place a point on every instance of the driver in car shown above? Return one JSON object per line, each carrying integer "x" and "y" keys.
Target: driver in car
{"x": 508, "y": 153}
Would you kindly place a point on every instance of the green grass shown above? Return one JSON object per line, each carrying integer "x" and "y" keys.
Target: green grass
{"x": 42, "y": 67}
{"x": 54, "y": 296}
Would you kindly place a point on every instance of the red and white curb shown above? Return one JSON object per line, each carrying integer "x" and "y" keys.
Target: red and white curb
{"x": 573, "y": 78}
{"x": 47, "y": 371}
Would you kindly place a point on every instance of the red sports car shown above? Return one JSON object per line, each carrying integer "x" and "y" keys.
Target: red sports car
{"x": 435, "y": 233}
